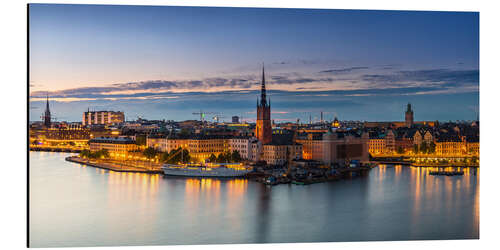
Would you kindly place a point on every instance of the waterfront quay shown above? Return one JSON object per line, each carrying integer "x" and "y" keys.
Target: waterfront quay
{"x": 118, "y": 166}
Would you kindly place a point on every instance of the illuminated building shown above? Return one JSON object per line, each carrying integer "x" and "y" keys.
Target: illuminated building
{"x": 312, "y": 145}
{"x": 263, "y": 129}
{"x": 336, "y": 123}
{"x": 117, "y": 147}
{"x": 102, "y": 117}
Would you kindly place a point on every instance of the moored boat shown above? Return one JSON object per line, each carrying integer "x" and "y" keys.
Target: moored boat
{"x": 208, "y": 170}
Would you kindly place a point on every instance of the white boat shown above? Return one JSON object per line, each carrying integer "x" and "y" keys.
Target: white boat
{"x": 209, "y": 170}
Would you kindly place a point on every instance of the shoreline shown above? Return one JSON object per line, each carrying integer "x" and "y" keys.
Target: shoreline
{"x": 111, "y": 166}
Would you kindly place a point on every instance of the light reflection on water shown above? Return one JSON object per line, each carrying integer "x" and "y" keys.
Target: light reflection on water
{"x": 75, "y": 205}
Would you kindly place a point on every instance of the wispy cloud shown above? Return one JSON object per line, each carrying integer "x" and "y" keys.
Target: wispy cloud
{"x": 343, "y": 70}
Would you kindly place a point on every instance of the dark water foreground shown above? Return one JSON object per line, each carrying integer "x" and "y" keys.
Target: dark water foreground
{"x": 74, "y": 205}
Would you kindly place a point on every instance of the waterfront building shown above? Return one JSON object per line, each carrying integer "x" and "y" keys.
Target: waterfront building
{"x": 312, "y": 145}
{"x": 339, "y": 147}
{"x": 243, "y": 145}
{"x": 158, "y": 143}
{"x": 376, "y": 143}
{"x": 472, "y": 145}
{"x": 102, "y": 117}
{"x": 201, "y": 147}
{"x": 450, "y": 144}
{"x": 46, "y": 115}
{"x": 116, "y": 146}
{"x": 263, "y": 129}
{"x": 404, "y": 140}
{"x": 281, "y": 150}
{"x": 256, "y": 149}
{"x": 390, "y": 141}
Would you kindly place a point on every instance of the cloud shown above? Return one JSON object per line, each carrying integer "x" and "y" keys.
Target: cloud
{"x": 343, "y": 71}
{"x": 433, "y": 77}
{"x": 408, "y": 82}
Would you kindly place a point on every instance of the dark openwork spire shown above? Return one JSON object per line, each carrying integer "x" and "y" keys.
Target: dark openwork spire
{"x": 263, "y": 98}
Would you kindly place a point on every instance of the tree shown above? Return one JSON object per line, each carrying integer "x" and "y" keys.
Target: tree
{"x": 104, "y": 153}
{"x": 85, "y": 153}
{"x": 423, "y": 148}
{"x": 415, "y": 149}
{"x": 164, "y": 156}
{"x": 432, "y": 148}
{"x": 178, "y": 156}
{"x": 150, "y": 152}
{"x": 235, "y": 156}
{"x": 400, "y": 150}
{"x": 212, "y": 158}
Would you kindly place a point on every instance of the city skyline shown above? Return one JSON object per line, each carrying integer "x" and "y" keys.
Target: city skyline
{"x": 155, "y": 63}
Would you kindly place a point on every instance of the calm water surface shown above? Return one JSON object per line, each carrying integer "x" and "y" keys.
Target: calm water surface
{"x": 75, "y": 205}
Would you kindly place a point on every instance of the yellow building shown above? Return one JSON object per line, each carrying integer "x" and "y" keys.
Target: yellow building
{"x": 117, "y": 147}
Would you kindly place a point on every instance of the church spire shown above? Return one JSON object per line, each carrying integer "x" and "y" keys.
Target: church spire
{"x": 263, "y": 98}
{"x": 46, "y": 117}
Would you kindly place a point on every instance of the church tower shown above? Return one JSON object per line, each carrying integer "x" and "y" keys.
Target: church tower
{"x": 46, "y": 115}
{"x": 409, "y": 116}
{"x": 263, "y": 129}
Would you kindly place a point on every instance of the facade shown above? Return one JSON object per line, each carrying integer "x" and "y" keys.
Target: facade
{"x": 117, "y": 147}
{"x": 263, "y": 129}
{"x": 243, "y": 145}
{"x": 390, "y": 141}
{"x": 102, "y": 117}
{"x": 256, "y": 148}
{"x": 342, "y": 147}
{"x": 312, "y": 146}
{"x": 158, "y": 143}
{"x": 409, "y": 116}
{"x": 275, "y": 154}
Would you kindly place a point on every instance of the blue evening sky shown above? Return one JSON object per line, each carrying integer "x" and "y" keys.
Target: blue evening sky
{"x": 162, "y": 62}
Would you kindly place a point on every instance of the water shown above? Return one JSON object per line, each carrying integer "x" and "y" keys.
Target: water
{"x": 74, "y": 205}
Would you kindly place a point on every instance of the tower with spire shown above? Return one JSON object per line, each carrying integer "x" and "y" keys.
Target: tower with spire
{"x": 263, "y": 129}
{"x": 46, "y": 115}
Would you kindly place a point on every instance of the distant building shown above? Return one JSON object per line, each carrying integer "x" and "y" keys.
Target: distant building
{"x": 263, "y": 129}
{"x": 409, "y": 116}
{"x": 46, "y": 115}
{"x": 236, "y": 119}
{"x": 102, "y": 117}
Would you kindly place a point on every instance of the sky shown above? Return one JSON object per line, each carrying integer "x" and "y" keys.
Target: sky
{"x": 160, "y": 62}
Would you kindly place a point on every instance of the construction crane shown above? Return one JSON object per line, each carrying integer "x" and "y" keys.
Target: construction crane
{"x": 202, "y": 114}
